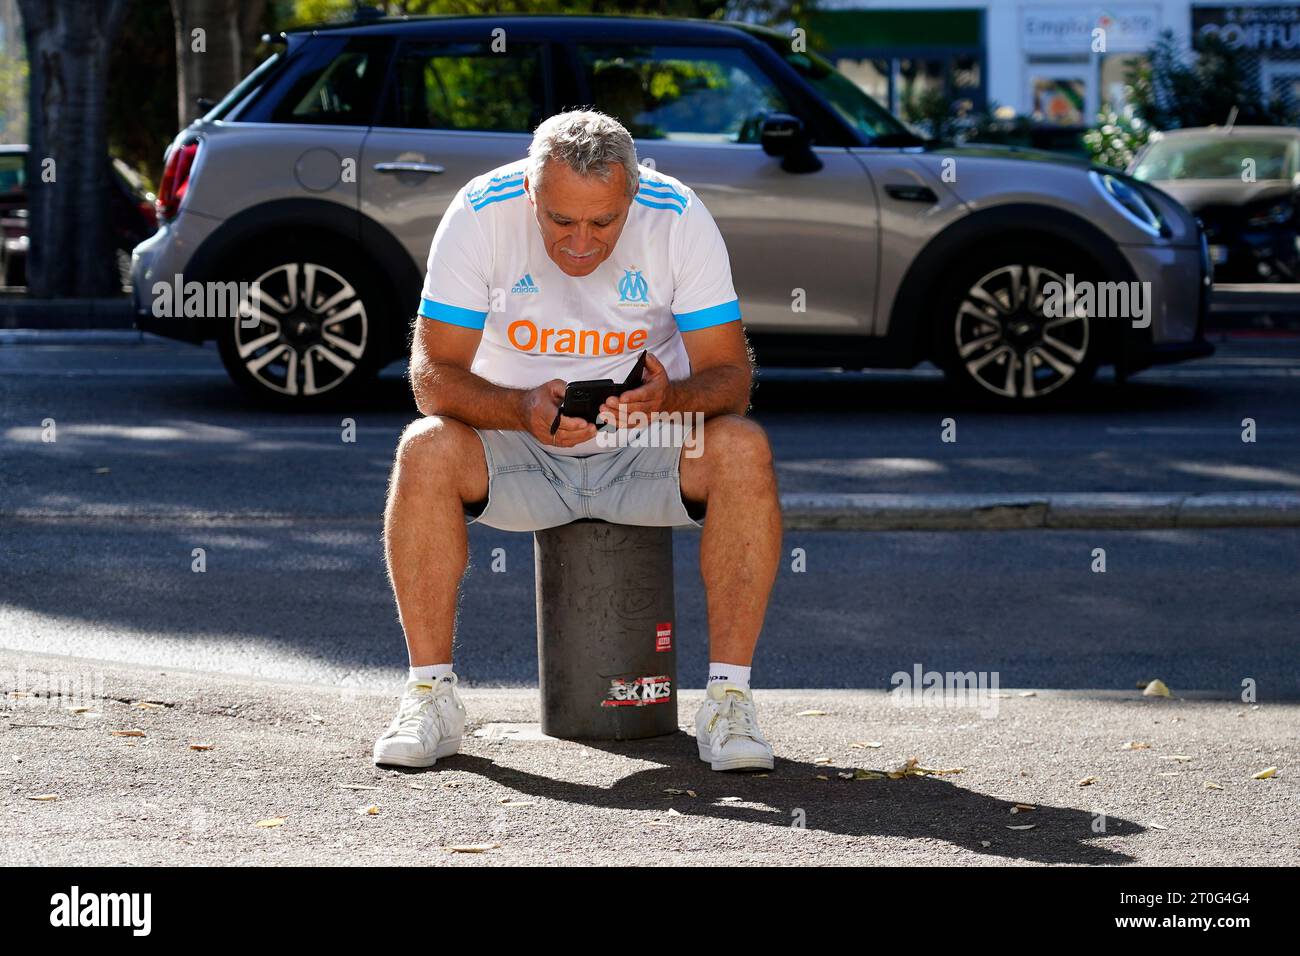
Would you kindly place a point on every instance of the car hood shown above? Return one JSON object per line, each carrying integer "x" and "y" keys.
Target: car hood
{"x": 1022, "y": 153}
{"x": 1197, "y": 194}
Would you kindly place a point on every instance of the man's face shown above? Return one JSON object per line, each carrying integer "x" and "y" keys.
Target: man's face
{"x": 580, "y": 218}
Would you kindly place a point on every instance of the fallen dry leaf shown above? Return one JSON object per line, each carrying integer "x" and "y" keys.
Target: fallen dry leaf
{"x": 674, "y": 791}
{"x": 369, "y": 811}
{"x": 860, "y": 774}
{"x": 1086, "y": 782}
{"x": 1211, "y": 785}
{"x": 910, "y": 768}
{"x": 1157, "y": 826}
{"x": 871, "y": 744}
{"x": 1265, "y": 774}
{"x": 148, "y": 705}
{"x": 45, "y": 797}
{"x": 127, "y": 733}
{"x": 1155, "y": 688}
{"x": 78, "y": 710}
{"x": 1022, "y": 826}
{"x": 200, "y": 746}
{"x": 507, "y": 802}
{"x": 822, "y": 760}
{"x": 272, "y": 822}
{"x": 811, "y": 713}
{"x": 472, "y": 847}
{"x": 1135, "y": 745}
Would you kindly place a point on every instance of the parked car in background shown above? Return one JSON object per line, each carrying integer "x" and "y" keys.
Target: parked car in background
{"x": 853, "y": 243}
{"x": 1243, "y": 182}
{"x": 131, "y": 214}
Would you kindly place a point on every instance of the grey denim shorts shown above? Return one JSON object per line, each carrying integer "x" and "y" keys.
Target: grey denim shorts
{"x": 530, "y": 488}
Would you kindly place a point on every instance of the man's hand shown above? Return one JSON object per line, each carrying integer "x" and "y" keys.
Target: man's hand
{"x": 539, "y": 406}
{"x": 649, "y": 397}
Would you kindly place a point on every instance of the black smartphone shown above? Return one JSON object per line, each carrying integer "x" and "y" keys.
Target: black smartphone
{"x": 583, "y": 399}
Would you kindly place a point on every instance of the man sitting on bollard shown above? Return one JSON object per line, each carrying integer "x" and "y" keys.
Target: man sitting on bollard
{"x": 564, "y": 266}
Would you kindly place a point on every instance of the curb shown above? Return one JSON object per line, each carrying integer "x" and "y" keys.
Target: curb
{"x": 19, "y": 312}
{"x": 848, "y": 512}
{"x": 1009, "y": 512}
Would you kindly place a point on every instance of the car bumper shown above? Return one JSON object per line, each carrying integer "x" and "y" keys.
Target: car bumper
{"x": 162, "y": 259}
{"x": 1180, "y": 282}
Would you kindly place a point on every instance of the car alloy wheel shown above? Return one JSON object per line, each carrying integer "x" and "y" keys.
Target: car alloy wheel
{"x": 302, "y": 331}
{"x": 1008, "y": 344}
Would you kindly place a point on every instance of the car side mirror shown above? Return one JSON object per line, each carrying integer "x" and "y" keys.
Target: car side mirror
{"x": 785, "y": 136}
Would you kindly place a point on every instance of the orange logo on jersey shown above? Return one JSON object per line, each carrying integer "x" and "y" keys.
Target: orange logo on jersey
{"x": 526, "y": 337}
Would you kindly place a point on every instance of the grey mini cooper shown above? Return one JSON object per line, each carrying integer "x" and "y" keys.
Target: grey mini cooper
{"x": 853, "y": 243}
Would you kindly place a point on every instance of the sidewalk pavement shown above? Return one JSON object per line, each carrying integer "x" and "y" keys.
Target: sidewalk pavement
{"x": 76, "y": 790}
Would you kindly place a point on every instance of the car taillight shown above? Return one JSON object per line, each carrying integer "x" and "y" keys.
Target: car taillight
{"x": 176, "y": 177}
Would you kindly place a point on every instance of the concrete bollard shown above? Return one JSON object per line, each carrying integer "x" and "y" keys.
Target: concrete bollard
{"x": 606, "y": 644}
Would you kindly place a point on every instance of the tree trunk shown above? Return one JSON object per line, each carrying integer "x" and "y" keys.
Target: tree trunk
{"x": 68, "y": 44}
{"x": 218, "y": 65}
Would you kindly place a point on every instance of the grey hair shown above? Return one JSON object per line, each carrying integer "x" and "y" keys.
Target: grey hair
{"x": 588, "y": 142}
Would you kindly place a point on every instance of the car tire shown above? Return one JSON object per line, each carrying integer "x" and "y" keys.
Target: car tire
{"x": 313, "y": 332}
{"x": 992, "y": 335}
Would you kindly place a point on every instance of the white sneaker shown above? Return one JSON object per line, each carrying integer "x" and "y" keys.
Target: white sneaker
{"x": 429, "y": 724}
{"x": 726, "y": 730}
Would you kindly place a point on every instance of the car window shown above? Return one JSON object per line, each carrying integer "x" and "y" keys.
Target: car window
{"x": 1224, "y": 157}
{"x": 467, "y": 86}
{"x": 342, "y": 92}
{"x": 686, "y": 94}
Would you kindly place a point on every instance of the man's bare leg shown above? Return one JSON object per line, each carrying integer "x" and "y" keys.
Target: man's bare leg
{"x": 439, "y": 467}
{"x": 740, "y": 543}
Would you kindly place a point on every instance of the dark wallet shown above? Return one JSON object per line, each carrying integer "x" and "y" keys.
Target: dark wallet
{"x": 583, "y": 399}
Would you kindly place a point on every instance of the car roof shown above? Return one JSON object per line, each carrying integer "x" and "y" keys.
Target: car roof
{"x": 664, "y": 28}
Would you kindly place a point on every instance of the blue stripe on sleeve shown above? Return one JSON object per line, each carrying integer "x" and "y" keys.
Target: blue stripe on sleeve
{"x": 714, "y": 315}
{"x": 468, "y": 318}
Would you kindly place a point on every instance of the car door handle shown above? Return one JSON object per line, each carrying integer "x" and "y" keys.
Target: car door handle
{"x": 910, "y": 193}
{"x": 409, "y": 168}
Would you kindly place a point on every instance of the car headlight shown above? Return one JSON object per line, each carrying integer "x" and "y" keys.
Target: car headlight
{"x": 1272, "y": 216}
{"x": 1131, "y": 203}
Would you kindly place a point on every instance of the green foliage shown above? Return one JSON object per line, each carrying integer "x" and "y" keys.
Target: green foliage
{"x": 13, "y": 97}
{"x": 1117, "y": 137}
{"x": 1169, "y": 92}
{"x": 140, "y": 99}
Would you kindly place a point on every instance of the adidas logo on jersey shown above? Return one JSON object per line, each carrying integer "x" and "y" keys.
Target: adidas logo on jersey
{"x": 525, "y": 285}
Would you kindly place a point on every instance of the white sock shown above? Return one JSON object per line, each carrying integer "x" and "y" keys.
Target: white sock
{"x": 429, "y": 672}
{"x": 729, "y": 673}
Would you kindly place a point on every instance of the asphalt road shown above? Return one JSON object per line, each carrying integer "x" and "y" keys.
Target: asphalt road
{"x": 156, "y": 454}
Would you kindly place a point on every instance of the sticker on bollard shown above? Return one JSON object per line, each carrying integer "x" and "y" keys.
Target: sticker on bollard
{"x": 664, "y": 636}
{"x": 638, "y": 693}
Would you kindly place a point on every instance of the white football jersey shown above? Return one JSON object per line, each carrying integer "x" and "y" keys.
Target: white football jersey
{"x": 488, "y": 269}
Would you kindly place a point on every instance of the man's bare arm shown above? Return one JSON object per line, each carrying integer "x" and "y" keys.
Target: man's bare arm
{"x": 441, "y": 355}
{"x": 722, "y": 372}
